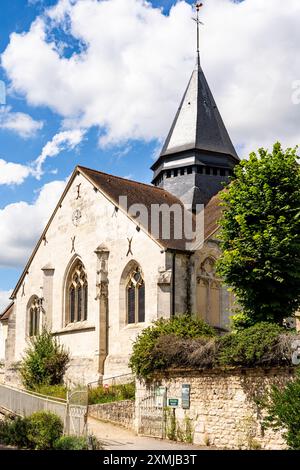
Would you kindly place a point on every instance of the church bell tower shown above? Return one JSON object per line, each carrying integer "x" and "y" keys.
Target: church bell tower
{"x": 198, "y": 156}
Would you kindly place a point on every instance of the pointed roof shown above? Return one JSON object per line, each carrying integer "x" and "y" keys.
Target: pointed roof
{"x": 198, "y": 123}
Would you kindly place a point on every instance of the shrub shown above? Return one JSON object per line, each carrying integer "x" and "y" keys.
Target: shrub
{"x": 177, "y": 352}
{"x": 44, "y": 428}
{"x": 284, "y": 411}
{"x": 44, "y": 363}
{"x": 252, "y": 346}
{"x": 114, "y": 393}
{"x": 14, "y": 432}
{"x": 142, "y": 362}
{"x": 240, "y": 321}
{"x": 71, "y": 443}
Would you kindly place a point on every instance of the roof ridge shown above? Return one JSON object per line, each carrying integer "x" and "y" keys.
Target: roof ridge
{"x": 121, "y": 177}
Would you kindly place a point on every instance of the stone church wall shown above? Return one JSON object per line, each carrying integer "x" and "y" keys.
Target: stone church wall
{"x": 223, "y": 409}
{"x": 100, "y": 224}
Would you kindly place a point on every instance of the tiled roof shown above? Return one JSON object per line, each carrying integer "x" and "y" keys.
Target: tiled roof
{"x": 137, "y": 193}
{"x": 6, "y": 313}
{"x": 212, "y": 214}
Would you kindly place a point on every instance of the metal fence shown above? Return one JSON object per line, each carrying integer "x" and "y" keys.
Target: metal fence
{"x": 113, "y": 380}
{"x": 23, "y": 403}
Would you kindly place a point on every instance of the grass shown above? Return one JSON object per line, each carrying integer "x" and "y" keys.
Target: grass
{"x": 55, "y": 391}
{"x": 101, "y": 394}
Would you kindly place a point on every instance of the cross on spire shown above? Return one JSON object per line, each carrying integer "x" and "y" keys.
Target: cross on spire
{"x": 197, "y": 7}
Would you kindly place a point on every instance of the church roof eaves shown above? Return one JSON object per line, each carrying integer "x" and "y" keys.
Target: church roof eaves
{"x": 6, "y": 312}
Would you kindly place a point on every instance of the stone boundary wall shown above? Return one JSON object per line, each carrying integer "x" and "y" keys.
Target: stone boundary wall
{"x": 118, "y": 412}
{"x": 224, "y": 410}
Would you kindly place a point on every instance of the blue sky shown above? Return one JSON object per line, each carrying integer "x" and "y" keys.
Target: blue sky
{"x": 17, "y": 16}
{"x": 122, "y": 105}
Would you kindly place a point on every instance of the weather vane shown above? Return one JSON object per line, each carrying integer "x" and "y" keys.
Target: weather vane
{"x": 197, "y": 7}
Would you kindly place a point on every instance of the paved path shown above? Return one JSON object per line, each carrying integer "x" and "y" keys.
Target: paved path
{"x": 118, "y": 438}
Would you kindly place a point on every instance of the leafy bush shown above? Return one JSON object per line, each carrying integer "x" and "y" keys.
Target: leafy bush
{"x": 14, "y": 432}
{"x": 71, "y": 443}
{"x": 114, "y": 393}
{"x": 44, "y": 428}
{"x": 177, "y": 352}
{"x": 44, "y": 363}
{"x": 261, "y": 344}
{"x": 142, "y": 362}
{"x": 284, "y": 411}
{"x": 38, "y": 431}
{"x": 251, "y": 346}
{"x": 240, "y": 321}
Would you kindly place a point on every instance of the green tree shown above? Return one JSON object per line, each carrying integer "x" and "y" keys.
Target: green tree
{"x": 260, "y": 235}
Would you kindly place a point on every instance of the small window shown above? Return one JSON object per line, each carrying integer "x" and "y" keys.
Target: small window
{"x": 34, "y": 317}
{"x": 215, "y": 171}
{"x": 182, "y": 171}
{"x": 222, "y": 172}
{"x": 135, "y": 298}
{"x": 207, "y": 170}
{"x": 189, "y": 170}
{"x": 168, "y": 173}
{"x": 175, "y": 172}
{"x": 199, "y": 170}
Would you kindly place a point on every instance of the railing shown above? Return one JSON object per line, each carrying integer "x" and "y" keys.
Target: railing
{"x": 23, "y": 403}
{"x": 113, "y": 380}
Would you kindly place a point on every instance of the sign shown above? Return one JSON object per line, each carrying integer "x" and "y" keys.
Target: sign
{"x": 173, "y": 402}
{"x": 160, "y": 397}
{"x": 185, "y": 396}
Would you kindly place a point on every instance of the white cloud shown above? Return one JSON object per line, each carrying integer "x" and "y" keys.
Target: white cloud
{"x": 21, "y": 224}
{"x": 4, "y": 299}
{"x": 20, "y": 123}
{"x": 66, "y": 140}
{"x": 16, "y": 173}
{"x": 135, "y": 65}
{"x": 13, "y": 173}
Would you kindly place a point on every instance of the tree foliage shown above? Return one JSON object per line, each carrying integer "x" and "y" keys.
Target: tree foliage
{"x": 260, "y": 234}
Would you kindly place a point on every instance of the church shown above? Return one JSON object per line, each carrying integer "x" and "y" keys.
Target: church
{"x": 104, "y": 269}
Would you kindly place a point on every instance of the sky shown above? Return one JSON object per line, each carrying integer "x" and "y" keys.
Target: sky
{"x": 98, "y": 82}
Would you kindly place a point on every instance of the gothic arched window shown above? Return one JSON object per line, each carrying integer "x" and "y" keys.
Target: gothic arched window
{"x": 34, "y": 317}
{"x": 135, "y": 290}
{"x": 77, "y": 294}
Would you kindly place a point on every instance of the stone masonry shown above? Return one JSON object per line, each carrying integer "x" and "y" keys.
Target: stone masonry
{"x": 224, "y": 410}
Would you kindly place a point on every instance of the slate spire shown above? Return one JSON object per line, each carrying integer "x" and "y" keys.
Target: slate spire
{"x": 198, "y": 155}
{"x": 198, "y": 123}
